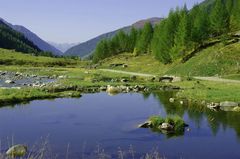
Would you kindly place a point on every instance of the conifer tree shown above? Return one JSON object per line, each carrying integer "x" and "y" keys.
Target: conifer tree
{"x": 219, "y": 18}
{"x": 145, "y": 38}
{"x": 133, "y": 36}
{"x": 181, "y": 38}
{"x": 101, "y": 51}
{"x": 235, "y": 16}
{"x": 160, "y": 43}
{"x": 200, "y": 26}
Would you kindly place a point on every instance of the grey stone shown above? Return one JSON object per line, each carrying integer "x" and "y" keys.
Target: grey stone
{"x": 228, "y": 104}
{"x": 166, "y": 126}
{"x": 9, "y": 82}
{"x": 125, "y": 66}
{"x": 133, "y": 77}
{"x": 213, "y": 105}
{"x": 171, "y": 100}
{"x": 124, "y": 80}
{"x": 103, "y": 88}
{"x": 146, "y": 124}
{"x": 17, "y": 151}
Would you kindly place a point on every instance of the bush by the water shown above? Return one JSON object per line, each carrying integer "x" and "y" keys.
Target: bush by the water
{"x": 170, "y": 125}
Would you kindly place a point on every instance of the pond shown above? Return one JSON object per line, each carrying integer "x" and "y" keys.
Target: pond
{"x": 99, "y": 124}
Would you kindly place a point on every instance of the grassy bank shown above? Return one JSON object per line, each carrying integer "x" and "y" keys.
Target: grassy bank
{"x": 209, "y": 91}
{"x": 11, "y": 57}
{"x": 13, "y": 96}
{"x": 81, "y": 79}
{"x": 217, "y": 59}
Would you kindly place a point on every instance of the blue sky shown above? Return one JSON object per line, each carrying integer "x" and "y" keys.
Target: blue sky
{"x": 79, "y": 20}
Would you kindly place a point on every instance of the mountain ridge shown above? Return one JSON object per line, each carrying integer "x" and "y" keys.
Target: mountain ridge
{"x": 40, "y": 43}
{"x": 86, "y": 48}
{"x": 62, "y": 46}
{"x": 14, "y": 40}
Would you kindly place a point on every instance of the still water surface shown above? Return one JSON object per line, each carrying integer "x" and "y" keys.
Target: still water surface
{"x": 98, "y": 121}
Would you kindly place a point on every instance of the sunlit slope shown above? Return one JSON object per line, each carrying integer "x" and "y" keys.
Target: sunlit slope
{"x": 215, "y": 60}
{"x": 11, "y": 57}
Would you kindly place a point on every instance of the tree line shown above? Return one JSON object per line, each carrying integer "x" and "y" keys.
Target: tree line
{"x": 11, "y": 39}
{"x": 182, "y": 31}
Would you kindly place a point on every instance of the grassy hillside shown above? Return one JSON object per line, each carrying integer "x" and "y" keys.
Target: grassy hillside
{"x": 10, "y": 57}
{"x": 216, "y": 60}
{"x": 142, "y": 63}
{"x": 11, "y": 39}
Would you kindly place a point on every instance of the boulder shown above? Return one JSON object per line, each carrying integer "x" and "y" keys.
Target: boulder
{"x": 124, "y": 80}
{"x": 33, "y": 76}
{"x": 61, "y": 77}
{"x": 171, "y": 100}
{"x": 146, "y": 90}
{"x": 103, "y": 88}
{"x": 125, "y": 66}
{"x": 17, "y": 151}
{"x": 9, "y": 81}
{"x": 176, "y": 79}
{"x": 18, "y": 74}
{"x": 116, "y": 64}
{"x": 123, "y": 88}
{"x": 128, "y": 89}
{"x": 213, "y": 105}
{"x": 152, "y": 79}
{"x": 236, "y": 109}
{"x": 133, "y": 77}
{"x": 228, "y": 104}
{"x": 170, "y": 79}
{"x": 165, "y": 79}
{"x": 141, "y": 87}
{"x": 146, "y": 124}
{"x": 166, "y": 126}
{"x": 2, "y": 73}
{"x": 112, "y": 89}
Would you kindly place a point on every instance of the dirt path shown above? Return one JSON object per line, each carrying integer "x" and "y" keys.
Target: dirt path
{"x": 217, "y": 79}
{"x": 128, "y": 73}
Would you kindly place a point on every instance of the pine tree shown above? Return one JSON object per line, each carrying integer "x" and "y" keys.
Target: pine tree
{"x": 181, "y": 38}
{"x": 122, "y": 40}
{"x": 132, "y": 39}
{"x": 219, "y": 18}
{"x": 200, "y": 26}
{"x": 160, "y": 43}
{"x": 143, "y": 44}
{"x": 235, "y": 16}
{"x": 101, "y": 51}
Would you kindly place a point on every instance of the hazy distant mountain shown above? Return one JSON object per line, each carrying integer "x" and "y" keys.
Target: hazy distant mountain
{"x": 86, "y": 48}
{"x": 43, "y": 45}
{"x": 63, "y": 46}
{"x": 11, "y": 39}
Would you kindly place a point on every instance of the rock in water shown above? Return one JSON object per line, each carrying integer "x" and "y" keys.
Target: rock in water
{"x": 113, "y": 90}
{"x": 166, "y": 126}
{"x": 236, "y": 109}
{"x": 17, "y": 151}
{"x": 228, "y": 104}
{"x": 213, "y": 106}
{"x": 103, "y": 88}
{"x": 146, "y": 124}
{"x": 9, "y": 82}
